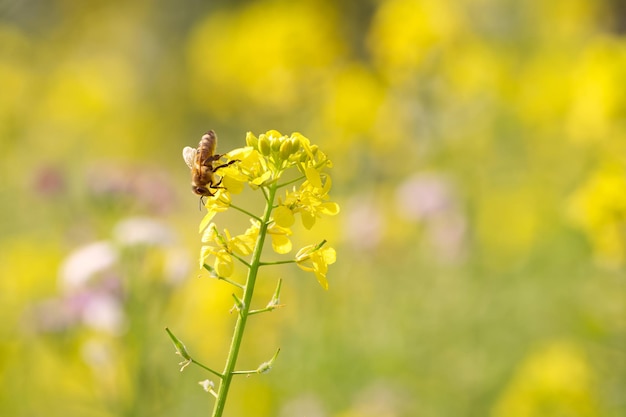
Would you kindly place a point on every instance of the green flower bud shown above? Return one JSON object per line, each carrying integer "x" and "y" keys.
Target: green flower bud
{"x": 295, "y": 144}
{"x": 275, "y": 143}
{"x": 251, "y": 140}
{"x": 264, "y": 145}
{"x": 286, "y": 149}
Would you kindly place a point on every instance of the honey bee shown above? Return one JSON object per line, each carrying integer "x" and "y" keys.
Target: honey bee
{"x": 200, "y": 161}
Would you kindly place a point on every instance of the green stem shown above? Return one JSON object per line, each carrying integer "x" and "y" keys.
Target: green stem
{"x": 242, "y": 317}
{"x": 284, "y": 184}
{"x": 207, "y": 368}
{"x": 240, "y": 259}
{"x": 265, "y": 309}
{"x": 246, "y": 212}
{"x": 289, "y": 261}
{"x": 213, "y": 273}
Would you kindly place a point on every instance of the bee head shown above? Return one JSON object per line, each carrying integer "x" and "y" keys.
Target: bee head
{"x": 201, "y": 191}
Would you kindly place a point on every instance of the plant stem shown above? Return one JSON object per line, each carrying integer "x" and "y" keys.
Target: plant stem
{"x": 242, "y": 317}
{"x": 207, "y": 368}
{"x": 246, "y": 212}
{"x": 288, "y": 261}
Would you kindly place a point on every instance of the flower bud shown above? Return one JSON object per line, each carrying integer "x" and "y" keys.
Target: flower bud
{"x": 264, "y": 145}
{"x": 286, "y": 149}
{"x": 295, "y": 143}
{"x": 275, "y": 143}
{"x": 251, "y": 140}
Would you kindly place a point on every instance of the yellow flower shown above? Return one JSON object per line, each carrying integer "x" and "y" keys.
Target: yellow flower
{"x": 280, "y": 242}
{"x": 221, "y": 247}
{"x": 222, "y": 263}
{"x": 244, "y": 244}
{"x": 252, "y": 169}
{"x": 310, "y": 200}
{"x": 216, "y": 204}
{"x": 313, "y": 258}
{"x": 216, "y": 248}
{"x": 280, "y": 151}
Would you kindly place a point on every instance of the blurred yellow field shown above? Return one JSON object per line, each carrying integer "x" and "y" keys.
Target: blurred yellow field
{"x": 477, "y": 264}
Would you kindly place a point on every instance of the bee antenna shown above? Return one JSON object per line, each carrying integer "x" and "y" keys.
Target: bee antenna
{"x": 200, "y": 203}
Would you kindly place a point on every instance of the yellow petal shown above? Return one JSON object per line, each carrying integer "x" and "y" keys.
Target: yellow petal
{"x": 330, "y": 256}
{"x": 283, "y": 216}
{"x": 308, "y": 220}
{"x": 329, "y": 208}
{"x": 304, "y": 253}
{"x": 209, "y": 233}
{"x": 224, "y": 265}
{"x": 261, "y": 179}
{"x": 321, "y": 278}
{"x": 305, "y": 267}
{"x": 313, "y": 176}
{"x": 206, "y": 220}
{"x": 205, "y": 251}
{"x": 281, "y": 244}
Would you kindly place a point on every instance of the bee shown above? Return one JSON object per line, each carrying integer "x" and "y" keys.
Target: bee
{"x": 201, "y": 161}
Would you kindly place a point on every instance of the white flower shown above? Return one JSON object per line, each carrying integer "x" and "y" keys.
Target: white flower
{"x": 104, "y": 312}
{"x": 85, "y": 262}
{"x": 142, "y": 231}
{"x": 424, "y": 195}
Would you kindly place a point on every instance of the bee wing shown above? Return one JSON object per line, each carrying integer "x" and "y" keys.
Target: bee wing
{"x": 189, "y": 155}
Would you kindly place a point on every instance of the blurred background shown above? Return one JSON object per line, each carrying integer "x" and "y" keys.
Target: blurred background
{"x": 479, "y": 153}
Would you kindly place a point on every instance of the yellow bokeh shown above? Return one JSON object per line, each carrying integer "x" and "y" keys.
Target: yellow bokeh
{"x": 598, "y": 207}
{"x": 479, "y": 158}
{"x": 554, "y": 380}
{"x": 270, "y": 53}
{"x": 597, "y": 105}
{"x": 405, "y": 33}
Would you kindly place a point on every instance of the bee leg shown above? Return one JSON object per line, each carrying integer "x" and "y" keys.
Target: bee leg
{"x": 216, "y": 186}
{"x": 225, "y": 165}
{"x": 209, "y": 160}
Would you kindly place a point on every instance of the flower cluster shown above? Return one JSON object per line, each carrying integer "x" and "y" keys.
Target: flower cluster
{"x": 310, "y": 200}
{"x": 271, "y": 162}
